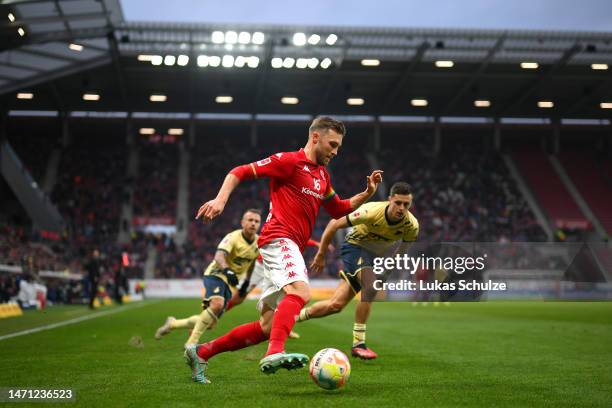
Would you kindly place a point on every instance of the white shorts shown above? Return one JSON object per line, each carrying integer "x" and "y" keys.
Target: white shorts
{"x": 283, "y": 264}
{"x": 257, "y": 275}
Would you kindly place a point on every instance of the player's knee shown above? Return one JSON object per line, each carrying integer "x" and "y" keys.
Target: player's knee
{"x": 300, "y": 289}
{"x": 266, "y": 326}
{"x": 216, "y": 306}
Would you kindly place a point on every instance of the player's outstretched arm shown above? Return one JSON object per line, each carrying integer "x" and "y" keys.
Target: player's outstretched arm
{"x": 213, "y": 208}
{"x": 318, "y": 262}
{"x": 373, "y": 180}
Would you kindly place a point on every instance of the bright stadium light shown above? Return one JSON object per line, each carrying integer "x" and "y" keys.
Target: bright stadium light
{"x": 545, "y": 104}
{"x": 224, "y": 99}
{"x": 91, "y": 97}
{"x": 146, "y": 131}
{"x": 370, "y": 62}
{"x": 176, "y": 131}
{"x": 157, "y": 60}
{"x": 169, "y": 60}
{"x": 202, "y": 61}
{"x": 326, "y": 63}
{"x": 244, "y": 37}
{"x": 218, "y": 37}
{"x": 158, "y": 98}
{"x": 313, "y": 63}
{"x": 11, "y": 17}
{"x": 599, "y": 67}
{"x": 529, "y": 65}
{"x": 314, "y": 39}
{"x": 21, "y": 31}
{"x": 331, "y": 39}
{"x": 419, "y": 102}
{"x": 227, "y": 61}
{"x": 257, "y": 38}
{"x": 25, "y": 95}
{"x": 299, "y": 39}
{"x": 145, "y": 57}
{"x": 289, "y": 100}
{"x": 240, "y": 61}
{"x": 253, "y": 62}
{"x": 445, "y": 64}
{"x": 288, "y": 62}
{"x": 277, "y": 62}
{"x": 301, "y": 63}
{"x": 75, "y": 47}
{"x": 182, "y": 60}
{"x": 214, "y": 61}
{"x": 231, "y": 37}
{"x": 606, "y": 105}
{"x": 355, "y": 101}
{"x": 482, "y": 103}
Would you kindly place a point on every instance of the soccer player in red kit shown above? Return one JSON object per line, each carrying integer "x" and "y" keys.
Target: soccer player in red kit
{"x": 299, "y": 185}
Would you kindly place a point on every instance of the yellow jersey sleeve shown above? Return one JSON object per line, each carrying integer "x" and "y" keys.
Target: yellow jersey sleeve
{"x": 362, "y": 215}
{"x": 228, "y": 243}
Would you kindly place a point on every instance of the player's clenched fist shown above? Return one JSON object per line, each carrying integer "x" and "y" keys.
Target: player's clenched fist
{"x": 210, "y": 209}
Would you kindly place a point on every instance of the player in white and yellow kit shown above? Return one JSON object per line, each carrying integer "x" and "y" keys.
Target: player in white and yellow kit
{"x": 234, "y": 259}
{"x": 378, "y": 227}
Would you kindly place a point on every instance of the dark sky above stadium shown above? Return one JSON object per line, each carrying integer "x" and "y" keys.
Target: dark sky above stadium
{"x": 585, "y": 15}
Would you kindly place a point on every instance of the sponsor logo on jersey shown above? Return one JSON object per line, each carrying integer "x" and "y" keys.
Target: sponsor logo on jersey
{"x": 308, "y": 191}
{"x": 306, "y": 168}
{"x": 279, "y": 155}
{"x": 264, "y": 162}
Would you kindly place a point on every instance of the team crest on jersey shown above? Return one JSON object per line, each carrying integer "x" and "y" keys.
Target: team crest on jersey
{"x": 264, "y": 162}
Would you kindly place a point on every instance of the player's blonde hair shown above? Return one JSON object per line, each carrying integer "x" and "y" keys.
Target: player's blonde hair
{"x": 327, "y": 123}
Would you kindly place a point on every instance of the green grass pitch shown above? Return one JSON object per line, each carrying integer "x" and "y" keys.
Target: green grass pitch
{"x": 465, "y": 354}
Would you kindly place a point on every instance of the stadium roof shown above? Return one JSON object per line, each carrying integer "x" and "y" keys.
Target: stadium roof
{"x": 382, "y": 71}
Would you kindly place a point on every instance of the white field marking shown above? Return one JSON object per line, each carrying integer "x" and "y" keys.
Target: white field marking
{"x": 75, "y": 320}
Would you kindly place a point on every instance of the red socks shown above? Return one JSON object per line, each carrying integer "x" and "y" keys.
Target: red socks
{"x": 239, "y": 337}
{"x": 250, "y": 334}
{"x": 284, "y": 319}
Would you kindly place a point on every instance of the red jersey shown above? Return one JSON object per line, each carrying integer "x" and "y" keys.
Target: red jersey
{"x": 298, "y": 187}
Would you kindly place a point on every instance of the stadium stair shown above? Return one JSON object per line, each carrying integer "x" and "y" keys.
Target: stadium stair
{"x": 182, "y": 205}
{"x": 528, "y": 195}
{"x": 589, "y": 179}
{"x": 127, "y": 208}
{"x": 548, "y": 188}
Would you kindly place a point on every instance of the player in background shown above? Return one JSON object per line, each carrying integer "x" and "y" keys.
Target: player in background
{"x": 378, "y": 227}
{"x": 254, "y": 279}
{"x": 299, "y": 186}
{"x": 235, "y": 257}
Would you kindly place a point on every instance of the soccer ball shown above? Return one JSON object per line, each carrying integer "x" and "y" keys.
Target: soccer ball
{"x": 330, "y": 368}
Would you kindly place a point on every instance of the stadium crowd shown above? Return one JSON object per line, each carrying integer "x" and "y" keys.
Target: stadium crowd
{"x": 463, "y": 193}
